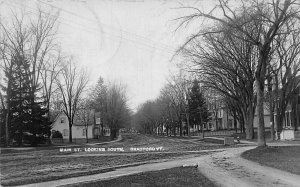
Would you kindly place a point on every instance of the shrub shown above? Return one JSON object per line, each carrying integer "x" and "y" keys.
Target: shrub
{"x": 57, "y": 134}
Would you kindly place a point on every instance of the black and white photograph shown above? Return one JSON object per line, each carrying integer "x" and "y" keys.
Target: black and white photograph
{"x": 146, "y": 93}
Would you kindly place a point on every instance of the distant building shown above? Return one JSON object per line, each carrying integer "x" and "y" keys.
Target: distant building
{"x": 291, "y": 119}
{"x": 220, "y": 117}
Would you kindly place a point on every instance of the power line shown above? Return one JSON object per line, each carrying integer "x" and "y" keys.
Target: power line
{"x": 111, "y": 27}
{"x": 93, "y": 30}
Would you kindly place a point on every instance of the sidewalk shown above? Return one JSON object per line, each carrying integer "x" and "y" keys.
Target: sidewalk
{"x": 122, "y": 172}
{"x": 241, "y": 141}
{"x": 274, "y": 143}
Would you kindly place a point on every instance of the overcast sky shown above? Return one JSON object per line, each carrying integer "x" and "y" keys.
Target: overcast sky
{"x": 121, "y": 40}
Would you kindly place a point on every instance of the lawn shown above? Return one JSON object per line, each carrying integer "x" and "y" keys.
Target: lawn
{"x": 29, "y": 148}
{"x": 180, "y": 176}
{"x": 285, "y": 158}
{"x": 20, "y": 170}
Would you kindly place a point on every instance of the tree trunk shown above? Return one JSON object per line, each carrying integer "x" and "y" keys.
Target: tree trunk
{"x": 174, "y": 130}
{"x": 249, "y": 122}
{"x": 216, "y": 118}
{"x": 113, "y": 133}
{"x": 297, "y": 124}
{"x": 272, "y": 125}
{"x": 102, "y": 128}
{"x": 70, "y": 132}
{"x": 235, "y": 122}
{"x": 271, "y": 104}
{"x": 188, "y": 125}
{"x": 6, "y": 127}
{"x": 261, "y": 140}
{"x": 272, "y": 119}
{"x": 180, "y": 127}
{"x": 86, "y": 134}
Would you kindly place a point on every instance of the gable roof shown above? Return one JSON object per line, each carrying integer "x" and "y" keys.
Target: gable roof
{"x": 77, "y": 121}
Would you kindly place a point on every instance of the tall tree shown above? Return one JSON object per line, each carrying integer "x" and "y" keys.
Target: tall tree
{"x": 20, "y": 98}
{"x": 97, "y": 97}
{"x": 197, "y": 105}
{"x": 71, "y": 83}
{"x": 50, "y": 70}
{"x": 116, "y": 111}
{"x": 86, "y": 114}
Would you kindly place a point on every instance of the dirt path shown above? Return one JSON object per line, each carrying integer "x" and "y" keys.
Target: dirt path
{"x": 227, "y": 168}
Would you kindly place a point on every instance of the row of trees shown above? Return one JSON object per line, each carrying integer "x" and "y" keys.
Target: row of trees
{"x": 180, "y": 102}
{"x": 249, "y": 55}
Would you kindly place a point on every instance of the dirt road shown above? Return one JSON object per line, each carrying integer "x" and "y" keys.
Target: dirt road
{"x": 227, "y": 168}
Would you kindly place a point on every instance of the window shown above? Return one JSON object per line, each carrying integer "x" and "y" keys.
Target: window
{"x": 288, "y": 118}
{"x": 62, "y": 120}
{"x": 83, "y": 132}
{"x": 65, "y": 132}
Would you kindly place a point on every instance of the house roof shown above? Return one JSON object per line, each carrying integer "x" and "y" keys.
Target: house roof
{"x": 77, "y": 121}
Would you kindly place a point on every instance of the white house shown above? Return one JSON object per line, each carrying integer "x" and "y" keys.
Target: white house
{"x": 79, "y": 129}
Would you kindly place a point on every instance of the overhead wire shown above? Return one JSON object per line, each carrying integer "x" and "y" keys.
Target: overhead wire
{"x": 111, "y": 27}
{"x": 95, "y": 31}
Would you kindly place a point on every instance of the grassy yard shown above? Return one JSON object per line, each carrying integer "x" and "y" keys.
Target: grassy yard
{"x": 29, "y": 148}
{"x": 20, "y": 170}
{"x": 180, "y": 176}
{"x": 285, "y": 158}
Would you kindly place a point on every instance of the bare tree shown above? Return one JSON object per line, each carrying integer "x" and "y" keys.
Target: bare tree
{"x": 267, "y": 19}
{"x": 169, "y": 113}
{"x": 85, "y": 114}
{"x": 148, "y": 116}
{"x": 71, "y": 83}
{"x": 115, "y": 109}
{"x": 50, "y": 70}
{"x": 177, "y": 90}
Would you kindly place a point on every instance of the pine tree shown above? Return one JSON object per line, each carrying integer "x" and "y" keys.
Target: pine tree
{"x": 26, "y": 109}
{"x": 197, "y": 106}
{"x": 20, "y": 98}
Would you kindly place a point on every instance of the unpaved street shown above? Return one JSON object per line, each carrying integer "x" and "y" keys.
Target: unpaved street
{"x": 227, "y": 168}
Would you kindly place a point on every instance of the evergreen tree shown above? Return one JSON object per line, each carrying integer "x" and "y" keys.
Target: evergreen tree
{"x": 20, "y": 98}
{"x": 197, "y": 106}
{"x": 27, "y": 111}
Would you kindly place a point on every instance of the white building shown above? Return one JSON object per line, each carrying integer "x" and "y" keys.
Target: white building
{"x": 79, "y": 129}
